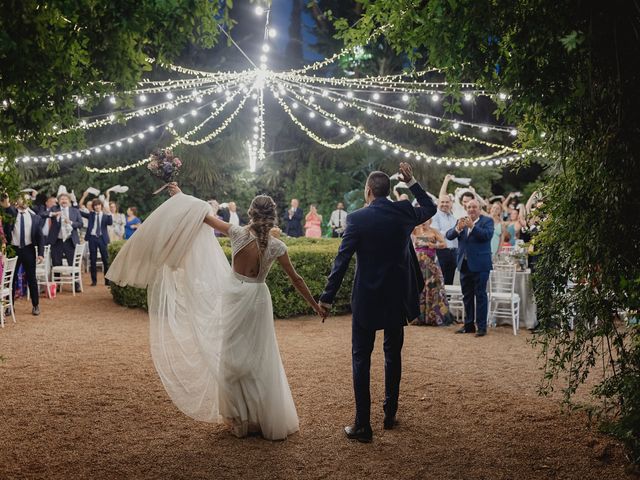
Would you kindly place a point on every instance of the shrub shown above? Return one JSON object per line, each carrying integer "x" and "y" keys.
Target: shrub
{"x": 312, "y": 259}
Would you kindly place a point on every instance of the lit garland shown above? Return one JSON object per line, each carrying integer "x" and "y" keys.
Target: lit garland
{"x": 411, "y": 123}
{"x": 261, "y": 152}
{"x": 217, "y": 131}
{"x": 312, "y": 135}
{"x": 385, "y": 144}
{"x": 198, "y": 127}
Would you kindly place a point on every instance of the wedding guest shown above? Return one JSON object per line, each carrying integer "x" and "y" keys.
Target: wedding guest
{"x": 474, "y": 233}
{"x": 24, "y": 232}
{"x": 496, "y": 216}
{"x": 506, "y": 244}
{"x": 64, "y": 228}
{"x": 132, "y": 223}
{"x": 513, "y": 225}
{"x": 49, "y": 204}
{"x": 293, "y": 226}
{"x": 338, "y": 220}
{"x": 230, "y": 214}
{"x": 116, "y": 229}
{"x": 98, "y": 237}
{"x": 443, "y": 221}
{"x": 3, "y": 247}
{"x": 434, "y": 307}
{"x": 313, "y": 223}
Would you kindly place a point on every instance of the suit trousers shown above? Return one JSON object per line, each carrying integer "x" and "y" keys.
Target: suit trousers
{"x": 362, "y": 342}
{"x": 474, "y": 297}
{"x": 61, "y": 249}
{"x": 27, "y": 258}
{"x": 95, "y": 244}
{"x": 447, "y": 260}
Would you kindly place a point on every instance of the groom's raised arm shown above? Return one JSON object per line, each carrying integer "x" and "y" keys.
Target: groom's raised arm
{"x": 340, "y": 264}
{"x": 427, "y": 208}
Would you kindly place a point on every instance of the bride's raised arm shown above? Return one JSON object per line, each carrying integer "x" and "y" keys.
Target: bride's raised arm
{"x": 211, "y": 220}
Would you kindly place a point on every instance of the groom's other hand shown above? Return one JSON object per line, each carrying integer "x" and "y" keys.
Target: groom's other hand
{"x": 406, "y": 172}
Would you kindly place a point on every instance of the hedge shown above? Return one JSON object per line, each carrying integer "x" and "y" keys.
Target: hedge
{"x": 312, "y": 258}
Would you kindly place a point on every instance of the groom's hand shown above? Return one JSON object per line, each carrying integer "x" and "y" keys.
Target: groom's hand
{"x": 406, "y": 172}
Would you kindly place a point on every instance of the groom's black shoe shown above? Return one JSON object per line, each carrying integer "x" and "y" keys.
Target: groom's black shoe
{"x": 467, "y": 330}
{"x": 389, "y": 422}
{"x": 361, "y": 434}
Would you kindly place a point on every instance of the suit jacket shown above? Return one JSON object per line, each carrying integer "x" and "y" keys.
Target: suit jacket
{"x": 293, "y": 228}
{"x": 103, "y": 232}
{"x": 476, "y": 246}
{"x": 225, "y": 214}
{"x": 37, "y": 239}
{"x": 76, "y": 222}
{"x": 388, "y": 280}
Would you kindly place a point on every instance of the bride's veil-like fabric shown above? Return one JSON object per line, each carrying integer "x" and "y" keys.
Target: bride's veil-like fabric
{"x": 177, "y": 257}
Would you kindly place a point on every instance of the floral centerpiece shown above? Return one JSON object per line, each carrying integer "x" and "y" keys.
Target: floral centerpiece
{"x": 165, "y": 165}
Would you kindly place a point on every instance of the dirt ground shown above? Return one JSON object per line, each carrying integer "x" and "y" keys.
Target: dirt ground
{"x": 79, "y": 398}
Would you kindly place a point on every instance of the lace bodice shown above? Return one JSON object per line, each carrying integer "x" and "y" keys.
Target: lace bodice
{"x": 240, "y": 237}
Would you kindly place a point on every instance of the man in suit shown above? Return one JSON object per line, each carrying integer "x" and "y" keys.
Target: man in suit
{"x": 46, "y": 219}
{"x": 24, "y": 232}
{"x": 386, "y": 288}
{"x": 63, "y": 230}
{"x": 294, "y": 215}
{"x": 474, "y": 233}
{"x": 97, "y": 236}
{"x": 230, "y": 214}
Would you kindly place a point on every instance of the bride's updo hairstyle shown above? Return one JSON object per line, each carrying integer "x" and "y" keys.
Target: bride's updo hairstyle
{"x": 262, "y": 214}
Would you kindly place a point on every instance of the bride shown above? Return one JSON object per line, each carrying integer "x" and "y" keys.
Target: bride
{"x": 212, "y": 335}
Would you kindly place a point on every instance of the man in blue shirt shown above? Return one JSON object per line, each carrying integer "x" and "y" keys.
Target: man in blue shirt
{"x": 443, "y": 221}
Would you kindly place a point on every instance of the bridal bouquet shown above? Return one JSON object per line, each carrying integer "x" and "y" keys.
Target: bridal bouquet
{"x": 165, "y": 165}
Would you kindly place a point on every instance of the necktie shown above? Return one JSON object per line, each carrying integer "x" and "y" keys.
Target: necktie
{"x": 339, "y": 218}
{"x": 22, "y": 241}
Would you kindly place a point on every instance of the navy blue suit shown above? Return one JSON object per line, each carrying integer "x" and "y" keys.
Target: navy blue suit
{"x": 27, "y": 255}
{"x": 385, "y": 291}
{"x": 474, "y": 263}
{"x": 293, "y": 226}
{"x": 97, "y": 242}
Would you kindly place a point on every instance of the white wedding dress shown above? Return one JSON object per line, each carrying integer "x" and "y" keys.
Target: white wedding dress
{"x": 212, "y": 335}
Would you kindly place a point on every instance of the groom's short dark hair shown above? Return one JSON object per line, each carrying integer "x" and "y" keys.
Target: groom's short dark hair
{"x": 379, "y": 184}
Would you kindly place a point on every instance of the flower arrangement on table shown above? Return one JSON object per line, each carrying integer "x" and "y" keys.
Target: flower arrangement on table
{"x": 165, "y": 165}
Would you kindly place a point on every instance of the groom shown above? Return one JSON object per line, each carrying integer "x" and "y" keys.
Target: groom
{"x": 385, "y": 289}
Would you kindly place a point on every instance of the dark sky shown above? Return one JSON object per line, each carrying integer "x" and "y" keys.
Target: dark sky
{"x": 280, "y": 19}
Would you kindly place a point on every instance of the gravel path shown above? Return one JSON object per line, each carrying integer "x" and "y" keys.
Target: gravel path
{"x": 79, "y": 398}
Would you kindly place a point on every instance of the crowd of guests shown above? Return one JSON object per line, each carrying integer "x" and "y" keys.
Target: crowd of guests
{"x": 33, "y": 221}
{"x": 465, "y": 234}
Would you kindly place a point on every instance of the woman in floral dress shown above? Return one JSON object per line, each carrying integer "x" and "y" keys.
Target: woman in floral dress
{"x": 434, "y": 308}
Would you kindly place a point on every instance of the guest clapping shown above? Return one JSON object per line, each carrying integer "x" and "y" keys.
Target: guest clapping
{"x": 132, "y": 223}
{"x": 313, "y": 223}
{"x": 474, "y": 233}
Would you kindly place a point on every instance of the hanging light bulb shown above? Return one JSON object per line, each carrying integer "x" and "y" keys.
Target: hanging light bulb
{"x": 265, "y": 48}
{"x": 259, "y": 10}
{"x": 426, "y": 121}
{"x": 484, "y": 129}
{"x": 349, "y": 94}
{"x": 343, "y": 130}
{"x": 294, "y": 104}
{"x": 341, "y": 105}
{"x": 312, "y": 115}
{"x": 112, "y": 100}
{"x": 376, "y": 96}
{"x": 327, "y": 123}
{"x": 405, "y": 98}
{"x": 513, "y": 132}
{"x": 273, "y": 33}
{"x": 468, "y": 97}
{"x": 456, "y": 125}
{"x": 435, "y": 97}
{"x": 369, "y": 111}
{"x": 369, "y": 142}
{"x": 170, "y": 95}
{"x": 142, "y": 98}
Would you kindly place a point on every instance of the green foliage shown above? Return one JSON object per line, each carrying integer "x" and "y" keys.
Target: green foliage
{"x": 52, "y": 53}
{"x": 571, "y": 73}
{"x": 312, "y": 258}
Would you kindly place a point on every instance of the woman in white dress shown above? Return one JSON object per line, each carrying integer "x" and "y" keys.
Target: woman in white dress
{"x": 211, "y": 325}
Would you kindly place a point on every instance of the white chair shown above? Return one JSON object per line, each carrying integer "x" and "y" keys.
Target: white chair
{"x": 6, "y": 289}
{"x": 70, "y": 275}
{"x": 454, "y": 296}
{"x": 503, "y": 301}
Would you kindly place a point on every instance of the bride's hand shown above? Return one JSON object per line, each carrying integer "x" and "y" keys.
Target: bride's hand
{"x": 173, "y": 188}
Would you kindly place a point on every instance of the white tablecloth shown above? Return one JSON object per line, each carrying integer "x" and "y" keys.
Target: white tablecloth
{"x": 524, "y": 289}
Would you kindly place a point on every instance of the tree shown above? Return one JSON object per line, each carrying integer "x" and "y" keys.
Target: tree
{"x": 571, "y": 70}
{"x": 57, "y": 57}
